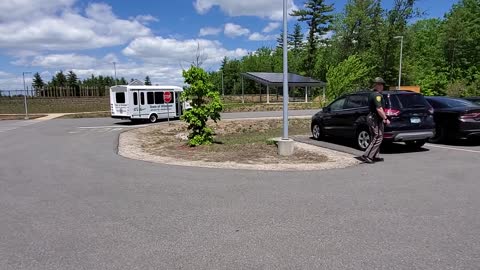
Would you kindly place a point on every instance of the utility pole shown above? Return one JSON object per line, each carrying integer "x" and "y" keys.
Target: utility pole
{"x": 401, "y": 56}
{"x": 115, "y": 71}
{"x": 25, "y": 94}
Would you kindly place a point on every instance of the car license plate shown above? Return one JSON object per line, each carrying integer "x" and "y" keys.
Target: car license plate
{"x": 415, "y": 120}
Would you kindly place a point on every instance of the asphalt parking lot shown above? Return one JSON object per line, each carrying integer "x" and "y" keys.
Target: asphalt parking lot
{"x": 68, "y": 201}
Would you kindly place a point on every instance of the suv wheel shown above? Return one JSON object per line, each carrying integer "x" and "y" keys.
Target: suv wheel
{"x": 416, "y": 144}
{"x": 363, "y": 139}
{"x": 317, "y": 132}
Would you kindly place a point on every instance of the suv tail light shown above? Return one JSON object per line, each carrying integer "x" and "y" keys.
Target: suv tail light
{"x": 470, "y": 116}
{"x": 392, "y": 112}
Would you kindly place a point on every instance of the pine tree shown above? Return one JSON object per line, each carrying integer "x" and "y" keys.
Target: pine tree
{"x": 147, "y": 81}
{"x": 317, "y": 17}
{"x": 60, "y": 79}
{"x": 123, "y": 81}
{"x": 72, "y": 79}
{"x": 37, "y": 82}
{"x": 296, "y": 38}
{"x": 280, "y": 40}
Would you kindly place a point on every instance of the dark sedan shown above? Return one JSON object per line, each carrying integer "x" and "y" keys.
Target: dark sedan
{"x": 473, "y": 99}
{"x": 455, "y": 118}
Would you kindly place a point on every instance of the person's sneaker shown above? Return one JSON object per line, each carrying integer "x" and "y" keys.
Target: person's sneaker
{"x": 378, "y": 159}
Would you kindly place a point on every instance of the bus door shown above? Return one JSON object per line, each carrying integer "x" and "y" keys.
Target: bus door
{"x": 135, "y": 104}
{"x": 178, "y": 104}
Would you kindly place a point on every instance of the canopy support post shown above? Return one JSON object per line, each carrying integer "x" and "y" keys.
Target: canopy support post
{"x": 268, "y": 93}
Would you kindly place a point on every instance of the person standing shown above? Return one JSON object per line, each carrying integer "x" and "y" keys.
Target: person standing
{"x": 376, "y": 121}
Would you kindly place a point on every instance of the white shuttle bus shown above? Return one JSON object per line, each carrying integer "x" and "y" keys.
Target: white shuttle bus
{"x": 136, "y": 102}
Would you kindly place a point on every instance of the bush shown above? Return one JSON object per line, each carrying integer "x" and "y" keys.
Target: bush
{"x": 206, "y": 104}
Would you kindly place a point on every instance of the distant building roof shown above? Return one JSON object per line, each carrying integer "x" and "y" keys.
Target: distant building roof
{"x": 136, "y": 82}
{"x": 276, "y": 79}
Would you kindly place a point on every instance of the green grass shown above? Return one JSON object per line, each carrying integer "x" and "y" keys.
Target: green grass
{"x": 54, "y": 105}
{"x": 245, "y": 136}
{"x": 254, "y": 107}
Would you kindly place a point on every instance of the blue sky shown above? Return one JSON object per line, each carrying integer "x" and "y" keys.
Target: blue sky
{"x": 155, "y": 38}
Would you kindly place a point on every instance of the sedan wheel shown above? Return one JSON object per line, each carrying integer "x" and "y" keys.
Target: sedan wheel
{"x": 363, "y": 140}
{"x": 317, "y": 132}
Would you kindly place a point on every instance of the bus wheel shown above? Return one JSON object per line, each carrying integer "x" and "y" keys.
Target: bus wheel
{"x": 153, "y": 118}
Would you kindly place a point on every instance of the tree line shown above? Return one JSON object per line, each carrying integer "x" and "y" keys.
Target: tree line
{"x": 71, "y": 80}
{"x": 349, "y": 48}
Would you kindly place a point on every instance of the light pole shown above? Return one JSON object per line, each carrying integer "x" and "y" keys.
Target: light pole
{"x": 401, "y": 56}
{"x": 285, "y": 72}
{"x": 285, "y": 145}
{"x": 115, "y": 71}
{"x": 25, "y": 94}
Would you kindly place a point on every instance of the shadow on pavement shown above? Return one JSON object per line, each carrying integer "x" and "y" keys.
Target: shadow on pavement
{"x": 144, "y": 122}
{"x": 400, "y": 148}
{"x": 347, "y": 146}
{"x": 465, "y": 143}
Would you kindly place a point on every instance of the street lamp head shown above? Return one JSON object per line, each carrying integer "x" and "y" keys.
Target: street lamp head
{"x": 397, "y": 37}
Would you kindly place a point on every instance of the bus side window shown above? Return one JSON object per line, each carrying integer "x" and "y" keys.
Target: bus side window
{"x": 150, "y": 98}
{"x": 135, "y": 98}
{"x": 120, "y": 97}
{"x": 142, "y": 98}
{"x": 159, "y": 98}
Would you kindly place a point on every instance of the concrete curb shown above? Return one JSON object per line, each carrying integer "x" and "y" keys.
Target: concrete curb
{"x": 129, "y": 147}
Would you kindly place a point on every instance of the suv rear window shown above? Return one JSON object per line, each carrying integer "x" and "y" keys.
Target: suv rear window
{"x": 408, "y": 101}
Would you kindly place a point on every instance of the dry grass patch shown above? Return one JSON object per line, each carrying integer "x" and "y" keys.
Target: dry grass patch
{"x": 245, "y": 142}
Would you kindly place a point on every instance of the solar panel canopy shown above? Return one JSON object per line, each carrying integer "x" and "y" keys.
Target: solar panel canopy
{"x": 276, "y": 79}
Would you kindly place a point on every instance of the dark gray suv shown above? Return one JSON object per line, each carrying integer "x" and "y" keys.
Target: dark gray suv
{"x": 411, "y": 118}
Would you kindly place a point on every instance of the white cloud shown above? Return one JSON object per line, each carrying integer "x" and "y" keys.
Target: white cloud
{"x": 271, "y": 9}
{"x": 169, "y": 51}
{"x": 260, "y": 37}
{"x": 166, "y": 75}
{"x": 67, "y": 29}
{"x": 65, "y": 61}
{"x": 234, "y": 30}
{"x": 271, "y": 26}
{"x": 209, "y": 31}
{"x": 25, "y": 9}
{"x": 4, "y": 74}
{"x": 328, "y": 35}
{"x": 144, "y": 19}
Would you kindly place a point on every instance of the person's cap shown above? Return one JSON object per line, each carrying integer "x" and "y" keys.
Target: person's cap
{"x": 379, "y": 80}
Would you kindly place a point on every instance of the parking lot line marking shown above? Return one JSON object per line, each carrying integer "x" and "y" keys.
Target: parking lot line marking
{"x": 454, "y": 148}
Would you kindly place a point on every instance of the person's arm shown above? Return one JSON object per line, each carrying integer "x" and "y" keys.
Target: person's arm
{"x": 382, "y": 114}
{"x": 380, "y": 111}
